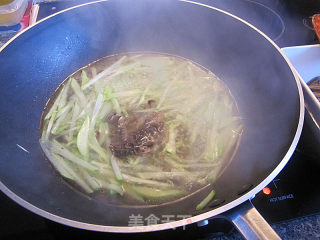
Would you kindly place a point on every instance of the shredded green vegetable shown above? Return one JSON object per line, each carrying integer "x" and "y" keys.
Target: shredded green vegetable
{"x": 196, "y": 113}
{"x": 206, "y": 200}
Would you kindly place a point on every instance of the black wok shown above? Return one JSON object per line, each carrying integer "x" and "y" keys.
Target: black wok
{"x": 260, "y": 78}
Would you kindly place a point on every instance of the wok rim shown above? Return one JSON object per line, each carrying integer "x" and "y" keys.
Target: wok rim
{"x": 190, "y": 220}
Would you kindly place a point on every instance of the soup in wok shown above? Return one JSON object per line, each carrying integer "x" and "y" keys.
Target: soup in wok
{"x": 141, "y": 129}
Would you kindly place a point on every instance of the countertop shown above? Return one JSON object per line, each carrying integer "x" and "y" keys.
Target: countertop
{"x": 302, "y": 228}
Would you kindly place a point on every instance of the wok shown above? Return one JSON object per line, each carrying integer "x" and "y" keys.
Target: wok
{"x": 35, "y": 62}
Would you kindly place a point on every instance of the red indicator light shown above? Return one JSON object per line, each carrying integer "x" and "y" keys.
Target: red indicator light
{"x": 266, "y": 190}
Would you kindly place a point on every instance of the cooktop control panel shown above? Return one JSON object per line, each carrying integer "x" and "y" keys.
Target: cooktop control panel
{"x": 293, "y": 193}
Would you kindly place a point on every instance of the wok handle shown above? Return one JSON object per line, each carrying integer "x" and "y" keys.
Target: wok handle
{"x": 250, "y": 223}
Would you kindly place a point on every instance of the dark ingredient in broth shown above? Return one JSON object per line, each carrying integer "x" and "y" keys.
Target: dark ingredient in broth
{"x": 141, "y": 129}
{"x": 137, "y": 134}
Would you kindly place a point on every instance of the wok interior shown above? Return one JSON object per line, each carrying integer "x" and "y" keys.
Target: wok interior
{"x": 36, "y": 62}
